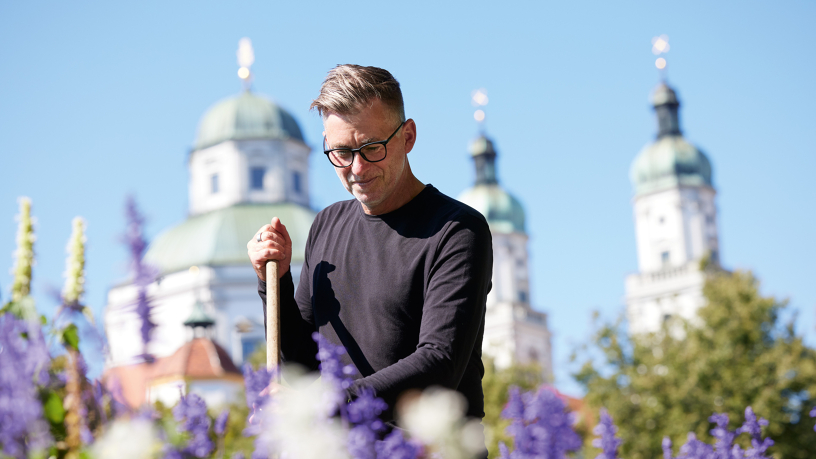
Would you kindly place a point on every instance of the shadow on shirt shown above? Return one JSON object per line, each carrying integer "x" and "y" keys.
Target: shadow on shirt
{"x": 329, "y": 312}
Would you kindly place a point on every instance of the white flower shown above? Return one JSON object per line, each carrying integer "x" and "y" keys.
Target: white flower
{"x": 127, "y": 439}
{"x": 437, "y": 419}
{"x": 298, "y": 423}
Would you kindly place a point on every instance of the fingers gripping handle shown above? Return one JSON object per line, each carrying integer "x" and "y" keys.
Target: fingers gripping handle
{"x": 273, "y": 329}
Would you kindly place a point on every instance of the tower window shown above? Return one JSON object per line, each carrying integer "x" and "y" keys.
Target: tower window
{"x": 214, "y": 184}
{"x": 661, "y": 220}
{"x": 256, "y": 178}
{"x": 296, "y": 182}
{"x": 522, "y": 296}
{"x": 664, "y": 258}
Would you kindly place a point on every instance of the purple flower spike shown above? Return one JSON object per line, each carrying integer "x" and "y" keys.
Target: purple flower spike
{"x": 752, "y": 426}
{"x": 331, "y": 367}
{"x": 725, "y": 438}
{"x": 23, "y": 365}
{"x": 143, "y": 274}
{"x": 608, "y": 442}
{"x": 191, "y": 412}
{"x": 813, "y": 415}
{"x": 255, "y": 382}
{"x": 667, "y": 448}
{"x": 221, "y": 423}
{"x": 695, "y": 449}
{"x": 540, "y": 425}
{"x": 395, "y": 446}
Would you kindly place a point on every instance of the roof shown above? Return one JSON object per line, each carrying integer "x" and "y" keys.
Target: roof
{"x": 668, "y": 162}
{"x": 219, "y": 237}
{"x": 504, "y": 213}
{"x": 200, "y": 358}
{"x": 245, "y": 116}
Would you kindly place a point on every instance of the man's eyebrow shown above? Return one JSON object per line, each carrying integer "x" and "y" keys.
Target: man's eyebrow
{"x": 344, "y": 146}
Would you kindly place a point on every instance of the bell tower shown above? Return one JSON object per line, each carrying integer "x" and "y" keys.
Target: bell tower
{"x": 675, "y": 222}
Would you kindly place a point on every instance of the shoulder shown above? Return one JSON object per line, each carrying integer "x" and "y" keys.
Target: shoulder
{"x": 457, "y": 213}
{"x": 338, "y": 210}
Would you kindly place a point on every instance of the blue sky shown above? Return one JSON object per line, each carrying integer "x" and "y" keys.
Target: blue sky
{"x": 102, "y": 99}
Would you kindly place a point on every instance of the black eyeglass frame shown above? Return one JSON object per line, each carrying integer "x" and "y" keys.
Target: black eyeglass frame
{"x": 359, "y": 150}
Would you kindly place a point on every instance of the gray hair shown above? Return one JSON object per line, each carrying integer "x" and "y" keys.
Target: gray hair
{"x": 348, "y": 87}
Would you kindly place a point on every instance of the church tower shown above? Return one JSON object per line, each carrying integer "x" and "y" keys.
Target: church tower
{"x": 514, "y": 331}
{"x": 675, "y": 223}
{"x": 248, "y": 164}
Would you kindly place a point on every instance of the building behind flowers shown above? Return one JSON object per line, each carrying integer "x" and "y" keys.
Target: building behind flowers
{"x": 250, "y": 162}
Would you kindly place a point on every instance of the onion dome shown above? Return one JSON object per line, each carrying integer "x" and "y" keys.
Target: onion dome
{"x": 670, "y": 160}
{"x": 199, "y": 318}
{"x": 219, "y": 237}
{"x": 504, "y": 213}
{"x": 246, "y": 116}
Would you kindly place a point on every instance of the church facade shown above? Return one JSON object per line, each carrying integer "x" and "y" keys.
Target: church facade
{"x": 675, "y": 223}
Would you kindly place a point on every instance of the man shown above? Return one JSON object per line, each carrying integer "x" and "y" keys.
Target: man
{"x": 400, "y": 274}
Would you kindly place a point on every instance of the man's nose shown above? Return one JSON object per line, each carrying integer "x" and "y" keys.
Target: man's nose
{"x": 360, "y": 165}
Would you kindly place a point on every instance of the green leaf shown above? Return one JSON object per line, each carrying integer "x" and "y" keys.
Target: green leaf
{"x": 70, "y": 336}
{"x": 54, "y": 410}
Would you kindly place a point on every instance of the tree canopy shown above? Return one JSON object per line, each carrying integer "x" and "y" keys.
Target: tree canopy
{"x": 737, "y": 354}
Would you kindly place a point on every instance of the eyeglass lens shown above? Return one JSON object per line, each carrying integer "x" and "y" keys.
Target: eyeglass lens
{"x": 371, "y": 153}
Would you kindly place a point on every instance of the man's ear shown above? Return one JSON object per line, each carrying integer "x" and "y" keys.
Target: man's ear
{"x": 409, "y": 134}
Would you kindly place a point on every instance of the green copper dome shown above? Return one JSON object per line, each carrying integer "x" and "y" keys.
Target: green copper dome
{"x": 504, "y": 213}
{"x": 246, "y": 116}
{"x": 670, "y": 160}
{"x": 220, "y": 237}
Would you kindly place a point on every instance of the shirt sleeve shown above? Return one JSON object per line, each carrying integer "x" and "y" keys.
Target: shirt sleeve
{"x": 452, "y": 315}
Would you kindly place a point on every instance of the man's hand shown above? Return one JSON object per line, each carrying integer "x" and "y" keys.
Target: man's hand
{"x": 275, "y": 244}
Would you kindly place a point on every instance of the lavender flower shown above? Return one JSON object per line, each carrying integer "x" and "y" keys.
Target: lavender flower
{"x": 23, "y": 364}
{"x": 395, "y": 446}
{"x": 725, "y": 438}
{"x": 255, "y": 382}
{"x": 143, "y": 274}
{"x": 752, "y": 426}
{"x": 363, "y": 414}
{"x": 608, "y": 442}
{"x": 695, "y": 449}
{"x": 667, "y": 448}
{"x": 540, "y": 426}
{"x": 191, "y": 411}
{"x": 813, "y": 415}
{"x": 331, "y": 367}
{"x": 221, "y": 423}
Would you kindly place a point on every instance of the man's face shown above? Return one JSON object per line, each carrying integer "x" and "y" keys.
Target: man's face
{"x": 376, "y": 185}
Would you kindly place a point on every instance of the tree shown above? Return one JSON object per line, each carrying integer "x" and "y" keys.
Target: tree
{"x": 736, "y": 355}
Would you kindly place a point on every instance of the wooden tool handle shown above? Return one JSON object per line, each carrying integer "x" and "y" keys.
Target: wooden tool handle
{"x": 273, "y": 329}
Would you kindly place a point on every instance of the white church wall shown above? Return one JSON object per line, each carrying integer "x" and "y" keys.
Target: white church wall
{"x": 228, "y": 294}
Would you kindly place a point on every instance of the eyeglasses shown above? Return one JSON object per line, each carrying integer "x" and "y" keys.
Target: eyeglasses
{"x": 372, "y": 152}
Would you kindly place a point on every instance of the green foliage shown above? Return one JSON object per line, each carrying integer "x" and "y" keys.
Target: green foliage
{"x": 736, "y": 355}
{"x": 495, "y": 384}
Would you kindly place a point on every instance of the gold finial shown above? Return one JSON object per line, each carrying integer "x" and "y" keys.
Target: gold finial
{"x": 660, "y": 45}
{"x": 479, "y": 99}
{"x": 246, "y": 57}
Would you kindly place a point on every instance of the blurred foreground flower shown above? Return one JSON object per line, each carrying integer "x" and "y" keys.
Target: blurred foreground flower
{"x": 127, "y": 439}
{"x": 24, "y": 361}
{"x": 143, "y": 274}
{"x": 540, "y": 426}
{"x": 436, "y": 418}
{"x": 608, "y": 442}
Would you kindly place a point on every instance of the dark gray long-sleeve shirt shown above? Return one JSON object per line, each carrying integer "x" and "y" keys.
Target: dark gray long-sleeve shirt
{"x": 404, "y": 292}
